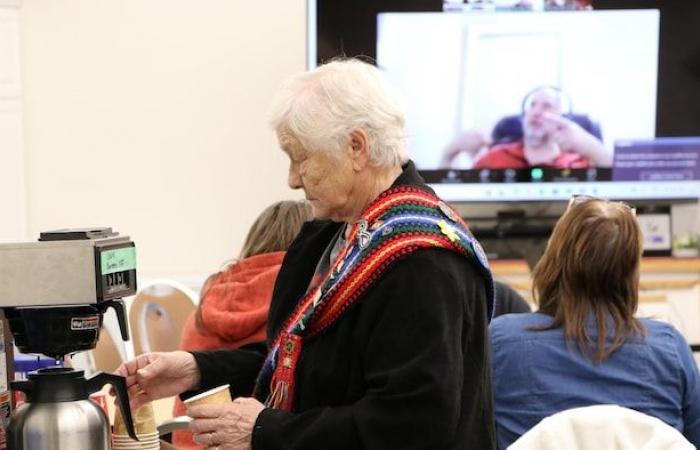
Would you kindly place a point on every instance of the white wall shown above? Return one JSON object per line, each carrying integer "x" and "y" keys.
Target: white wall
{"x": 150, "y": 116}
{"x": 12, "y": 183}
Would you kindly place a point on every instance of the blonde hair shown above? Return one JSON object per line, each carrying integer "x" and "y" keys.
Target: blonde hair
{"x": 591, "y": 269}
{"x": 276, "y": 227}
{"x": 273, "y": 231}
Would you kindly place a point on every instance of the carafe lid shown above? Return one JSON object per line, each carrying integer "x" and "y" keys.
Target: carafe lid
{"x": 52, "y": 385}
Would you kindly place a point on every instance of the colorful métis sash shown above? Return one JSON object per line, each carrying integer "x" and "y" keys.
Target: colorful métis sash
{"x": 400, "y": 221}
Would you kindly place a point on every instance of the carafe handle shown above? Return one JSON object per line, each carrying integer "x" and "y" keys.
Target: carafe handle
{"x": 120, "y": 309}
{"x": 118, "y": 382}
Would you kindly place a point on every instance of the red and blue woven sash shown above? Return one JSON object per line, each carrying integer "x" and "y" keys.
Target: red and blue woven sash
{"x": 399, "y": 222}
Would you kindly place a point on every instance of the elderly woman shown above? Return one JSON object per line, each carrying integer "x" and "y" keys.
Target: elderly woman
{"x": 378, "y": 326}
{"x": 584, "y": 346}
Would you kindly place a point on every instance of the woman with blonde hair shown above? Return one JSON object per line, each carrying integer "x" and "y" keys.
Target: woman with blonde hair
{"x": 584, "y": 346}
{"x": 234, "y": 302}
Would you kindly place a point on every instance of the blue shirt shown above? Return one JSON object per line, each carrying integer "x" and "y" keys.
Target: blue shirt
{"x": 537, "y": 374}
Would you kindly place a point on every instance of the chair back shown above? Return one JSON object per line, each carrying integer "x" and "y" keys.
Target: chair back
{"x": 158, "y": 314}
{"x": 602, "y": 427}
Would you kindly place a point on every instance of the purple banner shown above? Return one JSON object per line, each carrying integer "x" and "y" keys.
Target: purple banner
{"x": 661, "y": 159}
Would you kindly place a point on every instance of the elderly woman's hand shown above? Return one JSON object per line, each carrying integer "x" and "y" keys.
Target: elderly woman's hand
{"x": 225, "y": 427}
{"x": 157, "y": 375}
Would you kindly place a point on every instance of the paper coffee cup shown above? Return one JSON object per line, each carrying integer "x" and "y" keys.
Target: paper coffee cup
{"x": 144, "y": 421}
{"x": 215, "y": 396}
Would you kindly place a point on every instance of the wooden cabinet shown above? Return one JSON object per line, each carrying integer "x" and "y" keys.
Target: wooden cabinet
{"x": 670, "y": 291}
{"x": 516, "y": 274}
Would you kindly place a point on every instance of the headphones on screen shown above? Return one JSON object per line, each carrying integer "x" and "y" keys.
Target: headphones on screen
{"x": 564, "y": 99}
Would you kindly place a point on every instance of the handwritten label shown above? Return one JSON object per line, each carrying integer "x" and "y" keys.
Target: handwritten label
{"x": 118, "y": 260}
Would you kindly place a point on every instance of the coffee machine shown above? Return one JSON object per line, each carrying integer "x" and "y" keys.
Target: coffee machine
{"x": 53, "y": 294}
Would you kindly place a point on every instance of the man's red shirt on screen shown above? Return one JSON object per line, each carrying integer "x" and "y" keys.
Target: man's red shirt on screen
{"x": 512, "y": 156}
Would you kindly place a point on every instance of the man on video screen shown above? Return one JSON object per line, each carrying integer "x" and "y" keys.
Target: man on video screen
{"x": 549, "y": 138}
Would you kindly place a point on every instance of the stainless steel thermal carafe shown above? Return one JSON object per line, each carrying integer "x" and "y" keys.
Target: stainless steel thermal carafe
{"x": 58, "y": 414}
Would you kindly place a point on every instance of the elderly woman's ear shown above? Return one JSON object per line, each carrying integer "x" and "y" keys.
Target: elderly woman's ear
{"x": 359, "y": 149}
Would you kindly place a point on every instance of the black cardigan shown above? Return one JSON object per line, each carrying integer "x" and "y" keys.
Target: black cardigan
{"x": 407, "y": 367}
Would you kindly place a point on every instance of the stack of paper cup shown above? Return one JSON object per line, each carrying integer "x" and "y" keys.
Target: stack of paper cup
{"x": 144, "y": 425}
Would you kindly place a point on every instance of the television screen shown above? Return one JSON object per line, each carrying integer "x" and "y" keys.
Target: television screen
{"x": 516, "y": 106}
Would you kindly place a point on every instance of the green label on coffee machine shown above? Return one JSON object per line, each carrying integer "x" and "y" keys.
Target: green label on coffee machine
{"x": 118, "y": 260}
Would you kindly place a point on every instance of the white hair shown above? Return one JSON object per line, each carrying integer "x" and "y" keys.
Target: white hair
{"x": 323, "y": 106}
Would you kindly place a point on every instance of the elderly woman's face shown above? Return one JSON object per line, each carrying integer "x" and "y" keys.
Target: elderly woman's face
{"x": 328, "y": 182}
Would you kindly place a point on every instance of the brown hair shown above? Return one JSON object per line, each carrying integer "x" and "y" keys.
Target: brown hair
{"x": 276, "y": 227}
{"x": 273, "y": 231}
{"x": 591, "y": 269}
